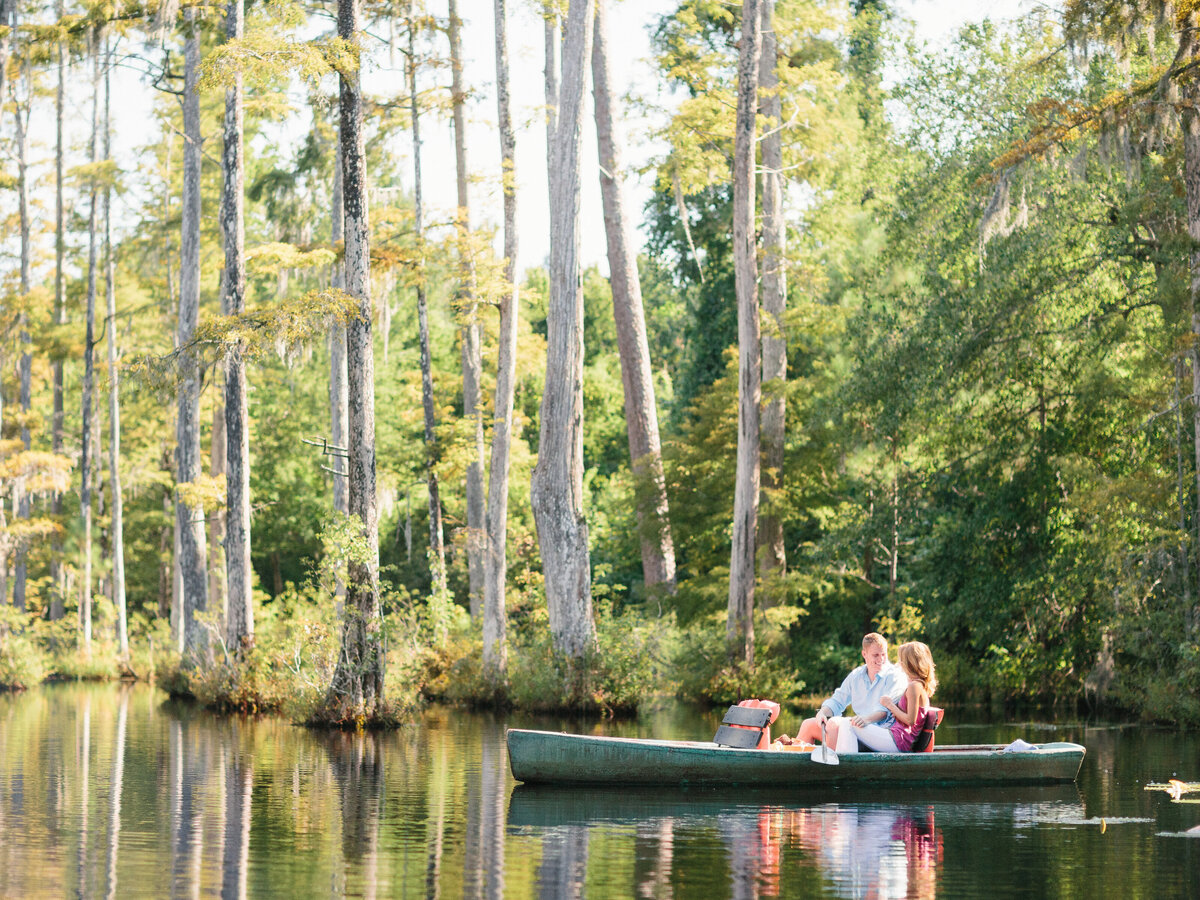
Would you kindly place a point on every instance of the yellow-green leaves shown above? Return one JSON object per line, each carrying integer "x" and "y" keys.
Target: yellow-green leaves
{"x": 283, "y": 328}
{"x": 273, "y": 257}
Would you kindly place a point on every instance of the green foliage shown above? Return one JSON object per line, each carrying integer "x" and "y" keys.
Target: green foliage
{"x": 22, "y": 665}
{"x": 289, "y": 667}
{"x": 627, "y": 668}
{"x": 706, "y": 672}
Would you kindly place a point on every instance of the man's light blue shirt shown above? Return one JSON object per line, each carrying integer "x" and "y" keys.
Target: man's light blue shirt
{"x": 859, "y": 691}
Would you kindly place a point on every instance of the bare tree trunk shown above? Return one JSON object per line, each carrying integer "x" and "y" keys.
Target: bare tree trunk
{"x": 114, "y": 393}
{"x": 437, "y": 550}
{"x": 21, "y": 112}
{"x": 192, "y": 549}
{"x": 774, "y": 303}
{"x": 557, "y": 489}
{"x": 89, "y": 371}
{"x": 739, "y": 629}
{"x": 641, "y": 412}
{"x": 472, "y": 360}
{"x": 357, "y": 686}
{"x": 550, "y": 73}
{"x": 57, "y": 599}
{"x": 239, "y": 622}
{"x": 495, "y": 651}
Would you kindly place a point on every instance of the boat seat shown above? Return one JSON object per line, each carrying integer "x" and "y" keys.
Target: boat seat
{"x": 743, "y": 727}
{"x": 923, "y": 742}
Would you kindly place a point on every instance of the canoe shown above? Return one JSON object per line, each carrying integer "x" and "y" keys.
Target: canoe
{"x": 548, "y": 757}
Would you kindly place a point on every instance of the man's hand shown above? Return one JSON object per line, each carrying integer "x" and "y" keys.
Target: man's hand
{"x": 822, "y": 715}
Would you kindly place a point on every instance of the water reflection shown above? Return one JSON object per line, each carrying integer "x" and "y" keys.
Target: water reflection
{"x": 107, "y": 791}
{"x": 884, "y": 852}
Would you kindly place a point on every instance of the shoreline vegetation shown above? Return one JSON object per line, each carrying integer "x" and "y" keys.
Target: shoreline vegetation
{"x": 637, "y": 663}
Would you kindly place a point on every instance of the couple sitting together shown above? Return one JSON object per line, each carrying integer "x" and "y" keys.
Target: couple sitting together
{"x": 890, "y": 702}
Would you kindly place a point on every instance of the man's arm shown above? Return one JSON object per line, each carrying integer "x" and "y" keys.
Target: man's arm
{"x": 837, "y": 704}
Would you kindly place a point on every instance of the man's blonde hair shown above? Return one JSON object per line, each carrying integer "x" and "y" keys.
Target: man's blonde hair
{"x": 875, "y": 638}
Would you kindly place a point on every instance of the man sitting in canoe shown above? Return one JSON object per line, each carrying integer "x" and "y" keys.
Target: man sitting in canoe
{"x": 863, "y": 690}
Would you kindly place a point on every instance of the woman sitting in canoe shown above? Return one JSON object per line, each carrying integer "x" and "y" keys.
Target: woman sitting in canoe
{"x": 917, "y": 662}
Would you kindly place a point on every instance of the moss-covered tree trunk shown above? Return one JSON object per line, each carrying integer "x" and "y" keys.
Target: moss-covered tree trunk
{"x": 239, "y": 619}
{"x": 356, "y": 690}
{"x": 193, "y": 556}
{"x": 437, "y": 549}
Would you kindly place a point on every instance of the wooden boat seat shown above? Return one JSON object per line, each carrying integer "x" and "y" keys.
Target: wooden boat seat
{"x": 743, "y": 727}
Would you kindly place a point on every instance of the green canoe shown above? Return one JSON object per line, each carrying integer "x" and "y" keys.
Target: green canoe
{"x": 547, "y": 757}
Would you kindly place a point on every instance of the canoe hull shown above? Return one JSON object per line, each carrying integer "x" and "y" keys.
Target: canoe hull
{"x": 546, "y": 757}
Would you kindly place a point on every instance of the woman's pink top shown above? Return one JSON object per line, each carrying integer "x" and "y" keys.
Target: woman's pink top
{"x": 902, "y": 734}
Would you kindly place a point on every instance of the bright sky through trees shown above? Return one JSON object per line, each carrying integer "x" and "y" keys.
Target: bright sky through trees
{"x": 633, "y": 19}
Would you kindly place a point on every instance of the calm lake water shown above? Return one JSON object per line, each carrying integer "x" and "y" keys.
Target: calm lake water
{"x": 110, "y": 791}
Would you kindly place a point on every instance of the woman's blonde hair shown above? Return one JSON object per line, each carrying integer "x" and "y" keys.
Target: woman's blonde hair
{"x": 916, "y": 660}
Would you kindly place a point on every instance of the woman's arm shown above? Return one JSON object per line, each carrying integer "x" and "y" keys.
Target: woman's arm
{"x": 912, "y": 695}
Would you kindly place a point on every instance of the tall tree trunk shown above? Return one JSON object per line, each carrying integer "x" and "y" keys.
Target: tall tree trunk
{"x": 89, "y": 369}
{"x": 739, "y": 629}
{"x": 57, "y": 598}
{"x": 357, "y": 686}
{"x": 21, "y": 112}
{"x": 339, "y": 425}
{"x": 472, "y": 360}
{"x": 114, "y": 392}
{"x": 218, "y": 467}
{"x": 774, "y": 303}
{"x": 239, "y": 621}
{"x": 641, "y": 412}
{"x": 6, "y": 15}
{"x": 495, "y": 651}
{"x": 437, "y": 550}
{"x": 337, "y": 344}
{"x": 550, "y": 75}
{"x": 192, "y": 550}
{"x": 1190, "y": 115}
{"x": 557, "y": 488}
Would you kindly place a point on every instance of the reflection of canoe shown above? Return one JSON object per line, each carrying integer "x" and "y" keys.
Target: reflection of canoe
{"x": 558, "y": 758}
{"x": 550, "y": 805}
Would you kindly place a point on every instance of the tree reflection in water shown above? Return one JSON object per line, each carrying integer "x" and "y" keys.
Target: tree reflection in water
{"x": 356, "y": 761}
